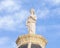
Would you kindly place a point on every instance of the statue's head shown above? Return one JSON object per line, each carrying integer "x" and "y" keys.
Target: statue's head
{"x": 32, "y": 11}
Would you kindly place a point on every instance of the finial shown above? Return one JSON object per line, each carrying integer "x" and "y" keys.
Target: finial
{"x": 32, "y": 11}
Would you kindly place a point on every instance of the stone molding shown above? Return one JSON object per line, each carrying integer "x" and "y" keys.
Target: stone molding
{"x": 33, "y": 38}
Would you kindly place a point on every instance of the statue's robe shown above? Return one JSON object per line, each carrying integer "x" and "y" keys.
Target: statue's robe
{"x": 31, "y": 24}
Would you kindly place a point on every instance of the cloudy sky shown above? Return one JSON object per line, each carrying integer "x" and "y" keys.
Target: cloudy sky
{"x": 14, "y": 13}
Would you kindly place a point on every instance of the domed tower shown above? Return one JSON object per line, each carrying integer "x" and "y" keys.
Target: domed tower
{"x": 31, "y": 40}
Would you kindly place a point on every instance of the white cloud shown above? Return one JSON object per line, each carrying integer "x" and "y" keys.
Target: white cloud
{"x": 3, "y": 40}
{"x": 22, "y": 15}
{"x": 53, "y": 32}
{"x": 56, "y": 11}
{"x": 41, "y": 29}
{"x": 6, "y": 42}
{"x": 13, "y": 45}
{"x": 53, "y": 2}
{"x": 46, "y": 13}
{"x": 42, "y": 13}
{"x": 56, "y": 1}
{"x": 6, "y": 22}
{"x": 52, "y": 28}
{"x": 9, "y": 5}
{"x": 12, "y": 22}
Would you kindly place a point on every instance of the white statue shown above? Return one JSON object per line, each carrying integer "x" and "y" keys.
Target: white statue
{"x": 31, "y": 22}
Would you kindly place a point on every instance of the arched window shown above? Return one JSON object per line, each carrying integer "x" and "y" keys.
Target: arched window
{"x": 24, "y": 46}
{"x": 32, "y": 46}
{"x": 35, "y": 46}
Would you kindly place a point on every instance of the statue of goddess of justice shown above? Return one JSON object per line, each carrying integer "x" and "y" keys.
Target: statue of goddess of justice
{"x": 31, "y": 22}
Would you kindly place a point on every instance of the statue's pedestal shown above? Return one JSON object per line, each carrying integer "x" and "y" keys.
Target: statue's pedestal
{"x": 31, "y": 38}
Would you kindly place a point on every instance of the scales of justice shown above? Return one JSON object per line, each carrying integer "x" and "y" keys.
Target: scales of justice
{"x": 31, "y": 40}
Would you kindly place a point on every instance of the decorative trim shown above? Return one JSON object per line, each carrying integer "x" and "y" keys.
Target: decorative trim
{"x": 34, "y": 39}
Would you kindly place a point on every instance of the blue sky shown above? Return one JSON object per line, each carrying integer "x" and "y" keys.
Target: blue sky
{"x": 14, "y": 13}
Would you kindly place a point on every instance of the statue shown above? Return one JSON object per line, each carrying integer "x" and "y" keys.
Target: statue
{"x": 31, "y": 22}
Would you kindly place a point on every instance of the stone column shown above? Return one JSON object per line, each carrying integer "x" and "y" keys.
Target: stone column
{"x": 29, "y": 45}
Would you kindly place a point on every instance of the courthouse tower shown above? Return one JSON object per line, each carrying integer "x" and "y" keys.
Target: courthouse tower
{"x": 31, "y": 40}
